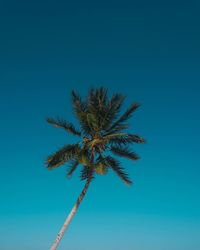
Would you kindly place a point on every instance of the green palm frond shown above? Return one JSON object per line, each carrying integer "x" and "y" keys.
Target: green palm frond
{"x": 115, "y": 104}
{"x": 124, "y": 152}
{"x": 63, "y": 155}
{"x": 78, "y": 104}
{"x": 86, "y": 173}
{"x": 117, "y": 129}
{"x": 72, "y": 167}
{"x": 97, "y": 106}
{"x": 128, "y": 113}
{"x": 81, "y": 111}
{"x": 123, "y": 118}
{"x": 110, "y": 114}
{"x": 61, "y": 123}
{"x": 115, "y": 165}
{"x": 113, "y": 139}
{"x": 124, "y": 139}
{"x": 104, "y": 111}
{"x": 92, "y": 122}
{"x": 98, "y": 98}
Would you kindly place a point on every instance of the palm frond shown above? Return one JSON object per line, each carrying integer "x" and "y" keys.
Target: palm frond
{"x": 92, "y": 122}
{"x": 78, "y": 104}
{"x": 113, "y": 108}
{"x": 86, "y": 173}
{"x": 63, "y": 155}
{"x": 97, "y": 107}
{"x": 123, "y": 118}
{"x": 124, "y": 152}
{"x": 115, "y": 103}
{"x": 115, "y": 165}
{"x": 128, "y": 113}
{"x": 117, "y": 129}
{"x": 72, "y": 167}
{"x": 61, "y": 123}
{"x": 123, "y": 139}
{"x": 104, "y": 111}
{"x": 98, "y": 97}
{"x": 81, "y": 111}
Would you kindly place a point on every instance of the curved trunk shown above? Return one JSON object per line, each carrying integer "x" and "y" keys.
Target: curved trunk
{"x": 70, "y": 216}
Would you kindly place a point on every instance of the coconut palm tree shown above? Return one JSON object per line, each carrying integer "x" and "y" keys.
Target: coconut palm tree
{"x": 101, "y": 136}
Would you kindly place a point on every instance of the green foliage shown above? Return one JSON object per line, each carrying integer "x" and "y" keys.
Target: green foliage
{"x": 119, "y": 124}
{"x": 115, "y": 165}
{"x": 72, "y": 167}
{"x": 81, "y": 111}
{"x": 124, "y": 152}
{"x": 63, "y": 155}
{"x": 86, "y": 172}
{"x": 61, "y": 123}
{"x": 124, "y": 139}
{"x": 101, "y": 135}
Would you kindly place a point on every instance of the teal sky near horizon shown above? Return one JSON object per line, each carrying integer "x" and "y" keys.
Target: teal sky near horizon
{"x": 147, "y": 50}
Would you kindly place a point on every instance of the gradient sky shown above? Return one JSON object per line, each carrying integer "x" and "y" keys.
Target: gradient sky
{"x": 148, "y": 50}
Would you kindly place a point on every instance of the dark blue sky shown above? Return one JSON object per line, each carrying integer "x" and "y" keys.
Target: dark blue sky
{"x": 148, "y": 50}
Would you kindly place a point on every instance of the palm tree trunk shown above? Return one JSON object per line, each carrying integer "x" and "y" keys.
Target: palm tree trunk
{"x": 71, "y": 215}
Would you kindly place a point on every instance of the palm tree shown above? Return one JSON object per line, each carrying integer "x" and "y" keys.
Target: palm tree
{"x": 101, "y": 136}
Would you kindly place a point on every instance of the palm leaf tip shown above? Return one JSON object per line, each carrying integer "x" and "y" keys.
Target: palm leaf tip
{"x": 78, "y": 104}
{"x": 124, "y": 139}
{"x": 111, "y": 110}
{"x": 118, "y": 125}
{"x": 61, "y": 156}
{"x": 61, "y": 123}
{"x": 115, "y": 165}
{"x": 124, "y": 152}
{"x": 128, "y": 112}
{"x": 72, "y": 167}
{"x": 136, "y": 138}
{"x": 81, "y": 111}
{"x": 51, "y": 163}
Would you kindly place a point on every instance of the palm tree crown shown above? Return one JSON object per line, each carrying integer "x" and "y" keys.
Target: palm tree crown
{"x": 102, "y": 136}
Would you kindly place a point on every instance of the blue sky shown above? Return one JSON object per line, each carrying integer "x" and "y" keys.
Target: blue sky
{"x": 148, "y": 50}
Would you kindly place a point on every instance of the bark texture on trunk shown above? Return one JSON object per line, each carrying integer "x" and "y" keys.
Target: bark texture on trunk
{"x": 70, "y": 216}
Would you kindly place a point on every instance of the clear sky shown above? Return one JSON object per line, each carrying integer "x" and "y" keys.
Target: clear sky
{"x": 148, "y": 50}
